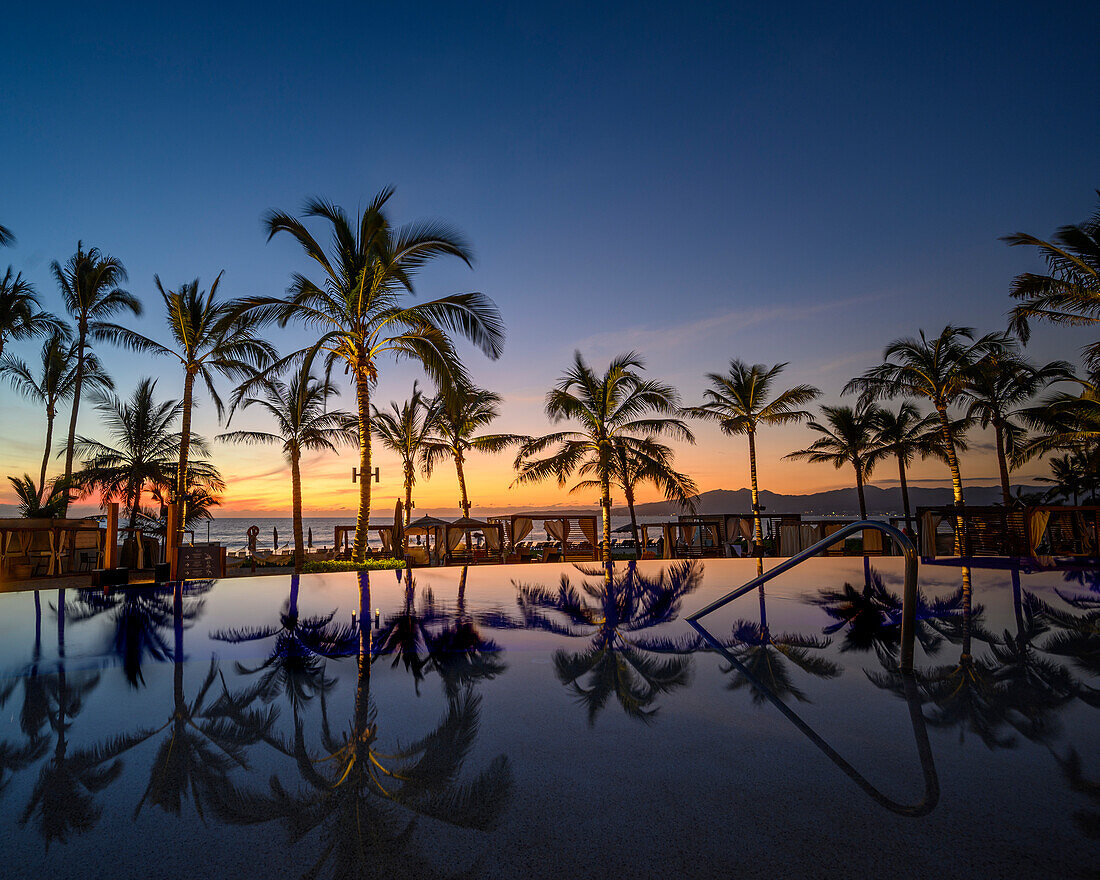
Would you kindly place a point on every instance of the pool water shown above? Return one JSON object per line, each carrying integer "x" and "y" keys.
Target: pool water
{"x": 540, "y": 721}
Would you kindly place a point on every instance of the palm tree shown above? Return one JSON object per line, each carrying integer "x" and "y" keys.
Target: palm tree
{"x": 1070, "y": 293}
{"x": 1069, "y": 478}
{"x": 54, "y": 383}
{"x": 459, "y": 652}
{"x": 208, "y": 337}
{"x": 617, "y": 409}
{"x": 457, "y": 414}
{"x": 33, "y": 505}
{"x": 847, "y": 437}
{"x": 89, "y": 287}
{"x": 1065, "y": 421}
{"x": 359, "y": 307}
{"x": 906, "y": 434}
{"x": 999, "y": 383}
{"x": 742, "y": 401}
{"x": 20, "y": 315}
{"x": 403, "y": 431}
{"x": 302, "y": 423}
{"x": 937, "y": 370}
{"x": 7, "y": 237}
{"x": 143, "y": 452}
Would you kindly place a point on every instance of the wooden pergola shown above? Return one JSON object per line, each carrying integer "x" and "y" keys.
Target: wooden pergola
{"x": 458, "y": 541}
{"x": 687, "y": 540}
{"x": 578, "y": 534}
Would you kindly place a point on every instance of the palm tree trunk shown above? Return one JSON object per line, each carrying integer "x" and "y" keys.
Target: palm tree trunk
{"x": 462, "y": 485}
{"x": 967, "y": 611}
{"x": 46, "y": 455}
{"x": 362, "y": 519}
{"x": 905, "y": 494}
{"x": 409, "y": 477}
{"x": 180, "y": 700}
{"x": 757, "y": 529}
{"x": 185, "y": 445}
{"x": 78, "y": 384}
{"x": 296, "y": 510}
{"x": 362, "y": 685}
{"x": 859, "y": 488}
{"x": 629, "y": 492}
{"x": 1002, "y": 462}
{"x": 605, "y": 508}
{"x": 956, "y": 477}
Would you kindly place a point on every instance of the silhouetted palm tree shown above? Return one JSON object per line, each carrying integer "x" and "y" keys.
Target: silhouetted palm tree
{"x": 906, "y": 434}
{"x": 208, "y": 337}
{"x": 302, "y": 424}
{"x": 35, "y": 502}
{"x": 848, "y": 437}
{"x": 1070, "y": 293}
{"x": 21, "y": 317}
{"x": 1069, "y": 478}
{"x": 616, "y": 410}
{"x": 54, "y": 383}
{"x": 142, "y": 451}
{"x": 459, "y": 652}
{"x": 1000, "y": 383}
{"x": 742, "y": 401}
{"x": 620, "y": 662}
{"x": 89, "y": 284}
{"x": 1065, "y": 421}
{"x": 458, "y": 413}
{"x": 359, "y": 307}
{"x": 403, "y": 431}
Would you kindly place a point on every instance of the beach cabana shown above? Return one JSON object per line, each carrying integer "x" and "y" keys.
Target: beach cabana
{"x": 687, "y": 540}
{"x": 578, "y": 534}
{"x": 433, "y": 550}
{"x": 459, "y": 541}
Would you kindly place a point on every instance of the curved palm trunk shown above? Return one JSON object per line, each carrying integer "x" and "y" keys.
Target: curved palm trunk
{"x": 362, "y": 519}
{"x": 78, "y": 384}
{"x": 462, "y": 484}
{"x": 629, "y": 493}
{"x": 757, "y": 528}
{"x": 409, "y": 477}
{"x": 296, "y": 509}
{"x": 905, "y": 494}
{"x": 1002, "y": 461}
{"x": 185, "y": 445}
{"x": 956, "y": 477}
{"x": 50, "y": 413}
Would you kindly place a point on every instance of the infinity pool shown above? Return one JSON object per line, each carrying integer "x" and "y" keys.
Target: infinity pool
{"x": 538, "y": 721}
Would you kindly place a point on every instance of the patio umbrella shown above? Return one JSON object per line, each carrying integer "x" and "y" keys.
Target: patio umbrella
{"x": 274, "y": 538}
{"x": 309, "y": 540}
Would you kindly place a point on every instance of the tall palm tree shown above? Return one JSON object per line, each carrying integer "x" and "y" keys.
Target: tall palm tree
{"x": 1064, "y": 421}
{"x": 142, "y": 451}
{"x": 937, "y": 370}
{"x": 999, "y": 384}
{"x": 208, "y": 337}
{"x": 458, "y": 413}
{"x": 302, "y": 424}
{"x": 1069, "y": 294}
{"x": 848, "y": 437}
{"x": 403, "y": 430}
{"x": 89, "y": 284}
{"x": 359, "y": 307}
{"x": 742, "y": 401}
{"x": 54, "y": 382}
{"x": 1069, "y": 479}
{"x": 20, "y": 315}
{"x": 906, "y": 434}
{"x": 619, "y": 408}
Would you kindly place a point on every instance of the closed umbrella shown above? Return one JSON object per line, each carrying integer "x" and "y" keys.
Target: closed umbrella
{"x": 309, "y": 540}
{"x": 274, "y": 539}
{"x": 398, "y": 530}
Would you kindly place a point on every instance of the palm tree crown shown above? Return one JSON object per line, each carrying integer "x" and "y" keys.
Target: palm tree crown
{"x": 906, "y": 434}
{"x": 208, "y": 337}
{"x": 848, "y": 437}
{"x": 89, "y": 284}
{"x": 742, "y": 400}
{"x": 302, "y": 423}
{"x": 403, "y": 430}
{"x": 457, "y": 414}
{"x": 1069, "y": 294}
{"x": 359, "y": 309}
{"x": 20, "y": 315}
{"x": 619, "y": 408}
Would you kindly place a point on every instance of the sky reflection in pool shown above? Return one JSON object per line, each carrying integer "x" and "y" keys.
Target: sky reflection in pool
{"x": 538, "y": 720}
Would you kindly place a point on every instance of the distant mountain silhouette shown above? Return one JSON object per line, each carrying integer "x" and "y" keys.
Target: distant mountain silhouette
{"x": 880, "y": 502}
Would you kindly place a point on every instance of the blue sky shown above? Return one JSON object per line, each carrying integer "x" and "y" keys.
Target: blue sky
{"x": 775, "y": 182}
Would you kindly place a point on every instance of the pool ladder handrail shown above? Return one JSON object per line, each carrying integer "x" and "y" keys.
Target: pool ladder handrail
{"x": 909, "y": 592}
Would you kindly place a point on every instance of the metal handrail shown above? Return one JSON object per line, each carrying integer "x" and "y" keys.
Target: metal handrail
{"x": 909, "y": 594}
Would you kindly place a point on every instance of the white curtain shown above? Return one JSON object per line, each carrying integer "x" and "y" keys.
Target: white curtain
{"x": 744, "y": 528}
{"x": 668, "y": 548}
{"x": 588, "y": 529}
{"x": 688, "y": 533}
{"x": 492, "y": 537}
{"x": 556, "y": 529}
{"x": 454, "y": 538}
{"x": 788, "y": 539}
{"x": 387, "y": 540}
{"x": 808, "y": 535}
{"x": 1037, "y": 528}
{"x": 928, "y": 524}
{"x": 521, "y": 528}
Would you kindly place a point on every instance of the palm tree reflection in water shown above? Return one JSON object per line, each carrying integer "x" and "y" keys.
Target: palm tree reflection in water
{"x": 619, "y": 663}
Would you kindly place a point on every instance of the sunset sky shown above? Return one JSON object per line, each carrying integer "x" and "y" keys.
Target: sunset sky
{"x": 774, "y": 183}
